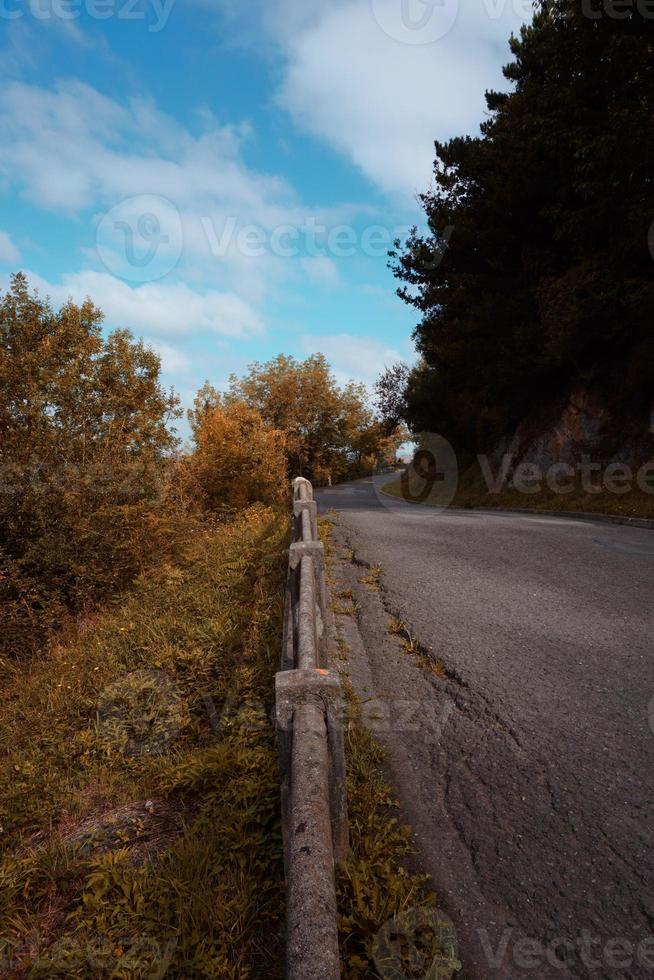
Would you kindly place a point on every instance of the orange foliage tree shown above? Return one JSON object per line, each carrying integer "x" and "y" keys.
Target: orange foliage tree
{"x": 84, "y": 441}
{"x": 238, "y": 458}
{"x": 331, "y": 432}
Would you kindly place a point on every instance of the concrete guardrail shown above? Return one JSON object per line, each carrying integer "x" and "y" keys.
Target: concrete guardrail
{"x": 309, "y": 713}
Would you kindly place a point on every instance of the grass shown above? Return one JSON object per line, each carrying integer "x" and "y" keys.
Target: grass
{"x": 139, "y": 792}
{"x": 472, "y": 493}
{"x": 413, "y": 647}
{"x": 377, "y": 895}
{"x": 374, "y": 887}
{"x": 345, "y": 604}
{"x": 139, "y": 795}
{"x": 372, "y": 579}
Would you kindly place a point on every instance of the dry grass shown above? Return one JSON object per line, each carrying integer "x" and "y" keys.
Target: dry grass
{"x": 413, "y": 647}
{"x": 345, "y": 604}
{"x": 374, "y": 887}
{"x": 134, "y": 835}
{"x": 372, "y": 579}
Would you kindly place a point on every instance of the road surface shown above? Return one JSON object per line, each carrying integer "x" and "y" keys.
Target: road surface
{"x": 534, "y": 806}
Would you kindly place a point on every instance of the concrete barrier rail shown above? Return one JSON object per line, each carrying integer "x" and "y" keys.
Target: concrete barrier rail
{"x": 309, "y": 714}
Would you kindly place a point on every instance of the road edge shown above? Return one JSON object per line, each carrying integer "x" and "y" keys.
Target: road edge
{"x": 574, "y": 515}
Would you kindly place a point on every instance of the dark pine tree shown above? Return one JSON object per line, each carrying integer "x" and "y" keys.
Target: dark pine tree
{"x": 546, "y": 279}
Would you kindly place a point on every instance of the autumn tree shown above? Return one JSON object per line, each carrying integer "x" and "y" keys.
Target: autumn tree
{"x": 238, "y": 458}
{"x": 331, "y": 432}
{"x": 84, "y": 440}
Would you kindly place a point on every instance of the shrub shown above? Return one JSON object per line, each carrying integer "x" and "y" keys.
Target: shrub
{"x": 238, "y": 459}
{"x": 83, "y": 422}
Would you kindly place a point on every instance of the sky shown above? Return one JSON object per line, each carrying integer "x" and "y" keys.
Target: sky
{"x": 224, "y": 178}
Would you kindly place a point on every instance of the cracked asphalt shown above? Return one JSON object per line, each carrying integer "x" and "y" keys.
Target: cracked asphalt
{"x": 524, "y": 765}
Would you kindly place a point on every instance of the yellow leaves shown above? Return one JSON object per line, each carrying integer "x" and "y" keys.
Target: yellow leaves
{"x": 239, "y": 459}
{"x": 84, "y": 436}
{"x": 327, "y": 429}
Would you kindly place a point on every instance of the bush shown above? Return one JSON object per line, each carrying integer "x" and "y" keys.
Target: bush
{"x": 238, "y": 459}
{"x": 83, "y": 499}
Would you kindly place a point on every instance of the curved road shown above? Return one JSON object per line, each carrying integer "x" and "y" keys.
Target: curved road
{"x": 536, "y": 817}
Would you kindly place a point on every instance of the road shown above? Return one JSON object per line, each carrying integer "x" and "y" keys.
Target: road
{"x": 534, "y": 812}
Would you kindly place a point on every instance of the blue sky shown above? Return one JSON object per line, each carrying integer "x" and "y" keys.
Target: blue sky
{"x": 224, "y": 178}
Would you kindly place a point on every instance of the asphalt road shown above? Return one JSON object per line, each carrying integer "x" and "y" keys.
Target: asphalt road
{"x": 536, "y": 814}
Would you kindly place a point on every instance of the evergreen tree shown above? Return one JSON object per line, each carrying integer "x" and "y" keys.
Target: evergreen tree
{"x": 546, "y": 278}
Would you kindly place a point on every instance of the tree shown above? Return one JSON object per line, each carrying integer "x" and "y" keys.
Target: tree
{"x": 546, "y": 279}
{"x": 238, "y": 459}
{"x": 85, "y": 438}
{"x": 391, "y": 392}
{"x": 330, "y": 431}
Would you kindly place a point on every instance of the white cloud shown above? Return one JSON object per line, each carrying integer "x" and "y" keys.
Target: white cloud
{"x": 322, "y": 270}
{"x": 71, "y": 147}
{"x": 353, "y": 358}
{"x": 173, "y": 360}
{"x": 9, "y": 254}
{"x": 382, "y": 102}
{"x": 352, "y": 79}
{"x": 164, "y": 308}
{"x": 74, "y": 151}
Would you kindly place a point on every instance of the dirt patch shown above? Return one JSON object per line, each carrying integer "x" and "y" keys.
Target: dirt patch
{"x": 145, "y": 826}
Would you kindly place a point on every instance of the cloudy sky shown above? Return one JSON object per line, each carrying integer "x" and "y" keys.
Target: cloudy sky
{"x": 225, "y": 177}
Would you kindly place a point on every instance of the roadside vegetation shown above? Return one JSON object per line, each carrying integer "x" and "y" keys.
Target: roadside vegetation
{"x": 378, "y": 895}
{"x": 330, "y": 433}
{"x": 533, "y": 285}
{"x": 374, "y": 886}
{"x": 142, "y": 589}
{"x": 472, "y": 492}
{"x": 139, "y": 796}
{"x": 536, "y": 278}
{"x": 95, "y": 488}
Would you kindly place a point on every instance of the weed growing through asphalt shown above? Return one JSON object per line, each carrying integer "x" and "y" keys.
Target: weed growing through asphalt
{"x": 413, "y": 647}
{"x": 371, "y": 580}
{"x": 345, "y": 604}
